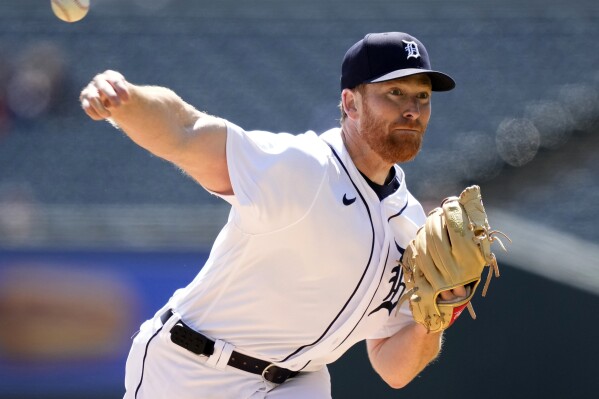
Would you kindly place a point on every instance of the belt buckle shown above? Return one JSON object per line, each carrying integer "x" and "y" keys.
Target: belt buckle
{"x": 266, "y": 371}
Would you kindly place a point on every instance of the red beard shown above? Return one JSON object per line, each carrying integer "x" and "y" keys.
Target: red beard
{"x": 392, "y": 147}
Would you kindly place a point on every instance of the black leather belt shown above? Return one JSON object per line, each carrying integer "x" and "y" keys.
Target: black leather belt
{"x": 193, "y": 341}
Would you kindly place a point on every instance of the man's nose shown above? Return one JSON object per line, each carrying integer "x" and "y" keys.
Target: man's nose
{"x": 412, "y": 110}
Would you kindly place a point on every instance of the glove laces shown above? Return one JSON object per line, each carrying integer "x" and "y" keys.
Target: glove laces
{"x": 493, "y": 266}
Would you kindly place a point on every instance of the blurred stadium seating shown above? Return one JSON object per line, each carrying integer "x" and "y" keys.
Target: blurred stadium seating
{"x": 274, "y": 65}
{"x": 523, "y": 121}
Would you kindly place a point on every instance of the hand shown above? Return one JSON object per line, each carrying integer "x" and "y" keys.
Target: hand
{"x": 453, "y": 295}
{"x": 106, "y": 90}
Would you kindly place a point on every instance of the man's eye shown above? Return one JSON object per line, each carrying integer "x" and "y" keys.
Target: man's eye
{"x": 395, "y": 92}
{"x": 423, "y": 96}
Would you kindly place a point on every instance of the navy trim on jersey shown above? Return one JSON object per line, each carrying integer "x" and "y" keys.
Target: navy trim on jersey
{"x": 363, "y": 274}
{"x": 143, "y": 364}
{"x": 369, "y": 303}
{"x": 400, "y": 212}
{"x": 380, "y": 281}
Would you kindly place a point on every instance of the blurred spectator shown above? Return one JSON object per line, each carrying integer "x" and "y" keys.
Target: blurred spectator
{"x": 17, "y": 213}
{"x": 37, "y": 80}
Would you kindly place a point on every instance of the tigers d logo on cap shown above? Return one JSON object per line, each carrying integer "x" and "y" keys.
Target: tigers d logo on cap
{"x": 412, "y": 49}
{"x": 385, "y": 56}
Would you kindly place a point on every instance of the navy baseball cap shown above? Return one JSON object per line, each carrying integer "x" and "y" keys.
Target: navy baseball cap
{"x": 386, "y": 56}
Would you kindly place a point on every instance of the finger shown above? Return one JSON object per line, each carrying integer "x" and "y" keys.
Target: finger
{"x": 87, "y": 103}
{"x": 122, "y": 89}
{"x": 113, "y": 75}
{"x": 94, "y": 102}
{"x": 460, "y": 291}
{"x": 98, "y": 107}
{"x": 89, "y": 110}
{"x": 119, "y": 83}
{"x": 447, "y": 295}
{"x": 107, "y": 92}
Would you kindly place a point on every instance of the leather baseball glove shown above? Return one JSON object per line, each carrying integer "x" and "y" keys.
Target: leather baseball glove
{"x": 449, "y": 251}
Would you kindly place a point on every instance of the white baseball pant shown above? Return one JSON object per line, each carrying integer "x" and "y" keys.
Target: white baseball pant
{"x": 158, "y": 368}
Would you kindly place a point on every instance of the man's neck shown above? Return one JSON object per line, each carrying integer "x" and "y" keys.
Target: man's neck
{"x": 366, "y": 160}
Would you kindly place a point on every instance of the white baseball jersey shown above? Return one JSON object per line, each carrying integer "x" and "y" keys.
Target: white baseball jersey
{"x": 307, "y": 264}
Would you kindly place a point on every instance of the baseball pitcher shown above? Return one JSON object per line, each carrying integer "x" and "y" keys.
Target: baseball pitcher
{"x": 324, "y": 246}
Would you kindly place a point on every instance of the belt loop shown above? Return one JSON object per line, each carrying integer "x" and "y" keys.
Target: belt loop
{"x": 222, "y": 353}
{"x": 168, "y": 320}
{"x": 166, "y": 315}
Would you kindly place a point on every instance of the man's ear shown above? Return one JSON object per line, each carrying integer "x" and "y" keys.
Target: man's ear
{"x": 351, "y": 103}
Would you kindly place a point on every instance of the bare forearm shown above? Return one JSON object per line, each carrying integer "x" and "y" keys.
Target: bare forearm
{"x": 401, "y": 357}
{"x": 155, "y": 118}
{"x": 161, "y": 122}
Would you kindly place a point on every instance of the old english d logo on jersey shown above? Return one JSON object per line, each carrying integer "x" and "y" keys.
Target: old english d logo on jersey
{"x": 412, "y": 49}
{"x": 397, "y": 287}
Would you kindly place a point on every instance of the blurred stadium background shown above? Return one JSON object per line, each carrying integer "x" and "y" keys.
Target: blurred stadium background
{"x": 95, "y": 233}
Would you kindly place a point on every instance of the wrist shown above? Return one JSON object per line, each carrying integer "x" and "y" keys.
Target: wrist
{"x": 421, "y": 331}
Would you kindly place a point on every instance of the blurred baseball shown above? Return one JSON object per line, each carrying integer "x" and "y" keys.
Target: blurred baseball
{"x": 70, "y": 10}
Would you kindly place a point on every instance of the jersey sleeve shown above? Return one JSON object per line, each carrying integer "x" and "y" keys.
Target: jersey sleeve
{"x": 275, "y": 177}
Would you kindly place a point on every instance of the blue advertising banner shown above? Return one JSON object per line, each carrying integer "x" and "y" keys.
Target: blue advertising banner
{"x": 67, "y": 318}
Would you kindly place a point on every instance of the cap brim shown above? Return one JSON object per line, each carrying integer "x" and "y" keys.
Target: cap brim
{"x": 439, "y": 80}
